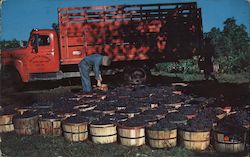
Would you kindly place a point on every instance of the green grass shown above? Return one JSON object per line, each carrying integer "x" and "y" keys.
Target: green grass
{"x": 180, "y": 152}
{"x": 236, "y": 78}
{"x": 230, "y": 78}
{"x": 39, "y": 146}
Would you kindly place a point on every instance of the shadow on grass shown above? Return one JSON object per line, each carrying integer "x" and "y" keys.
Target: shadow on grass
{"x": 39, "y": 146}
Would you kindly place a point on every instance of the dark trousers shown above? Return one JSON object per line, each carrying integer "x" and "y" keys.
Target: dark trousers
{"x": 84, "y": 73}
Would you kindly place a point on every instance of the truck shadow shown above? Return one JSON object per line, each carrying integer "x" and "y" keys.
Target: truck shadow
{"x": 153, "y": 80}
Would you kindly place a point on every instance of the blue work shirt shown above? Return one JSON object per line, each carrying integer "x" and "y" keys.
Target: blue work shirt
{"x": 94, "y": 60}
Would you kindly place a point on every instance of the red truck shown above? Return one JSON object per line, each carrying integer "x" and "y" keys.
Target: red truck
{"x": 135, "y": 36}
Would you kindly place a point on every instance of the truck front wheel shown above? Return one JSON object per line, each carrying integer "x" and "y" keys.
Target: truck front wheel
{"x": 10, "y": 81}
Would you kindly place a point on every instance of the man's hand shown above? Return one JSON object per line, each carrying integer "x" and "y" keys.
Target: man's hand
{"x": 99, "y": 83}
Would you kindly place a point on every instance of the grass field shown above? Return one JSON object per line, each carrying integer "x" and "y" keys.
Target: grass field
{"x": 229, "y": 78}
{"x": 40, "y": 146}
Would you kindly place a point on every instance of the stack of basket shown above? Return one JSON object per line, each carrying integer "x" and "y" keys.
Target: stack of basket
{"x": 6, "y": 121}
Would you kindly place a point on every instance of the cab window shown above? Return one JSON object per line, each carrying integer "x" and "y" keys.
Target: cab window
{"x": 42, "y": 40}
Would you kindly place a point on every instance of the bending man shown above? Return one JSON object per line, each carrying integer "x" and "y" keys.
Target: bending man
{"x": 95, "y": 61}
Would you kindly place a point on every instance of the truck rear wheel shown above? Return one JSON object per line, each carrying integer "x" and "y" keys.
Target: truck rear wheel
{"x": 137, "y": 76}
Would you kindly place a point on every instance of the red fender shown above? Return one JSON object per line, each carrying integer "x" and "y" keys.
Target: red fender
{"x": 21, "y": 70}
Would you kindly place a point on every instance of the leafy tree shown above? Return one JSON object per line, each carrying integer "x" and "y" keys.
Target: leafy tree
{"x": 6, "y": 44}
{"x": 235, "y": 37}
{"x": 216, "y": 37}
{"x": 232, "y": 46}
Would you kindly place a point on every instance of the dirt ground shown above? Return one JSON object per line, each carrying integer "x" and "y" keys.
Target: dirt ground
{"x": 237, "y": 95}
{"x": 38, "y": 91}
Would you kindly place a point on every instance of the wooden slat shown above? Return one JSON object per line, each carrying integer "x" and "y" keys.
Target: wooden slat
{"x": 124, "y": 9}
{"x": 188, "y": 5}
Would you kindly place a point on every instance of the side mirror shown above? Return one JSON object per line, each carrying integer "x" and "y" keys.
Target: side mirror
{"x": 35, "y": 43}
{"x": 35, "y": 49}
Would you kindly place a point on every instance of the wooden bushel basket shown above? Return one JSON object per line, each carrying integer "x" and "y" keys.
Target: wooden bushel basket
{"x": 131, "y": 136}
{"x": 23, "y": 110}
{"x": 162, "y": 138}
{"x": 198, "y": 140}
{"x": 178, "y": 122}
{"x": 6, "y": 119}
{"x": 75, "y": 132}
{"x": 6, "y": 124}
{"x": 130, "y": 114}
{"x": 6, "y": 128}
{"x": 176, "y": 105}
{"x": 87, "y": 108}
{"x": 228, "y": 146}
{"x": 50, "y": 127}
{"x": 221, "y": 116}
{"x": 111, "y": 112}
{"x": 103, "y": 87}
{"x": 26, "y": 125}
{"x": 103, "y": 133}
{"x": 66, "y": 115}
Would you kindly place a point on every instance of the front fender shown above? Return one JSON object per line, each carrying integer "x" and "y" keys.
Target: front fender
{"x": 21, "y": 70}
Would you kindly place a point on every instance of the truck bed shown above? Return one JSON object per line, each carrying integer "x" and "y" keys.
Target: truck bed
{"x": 156, "y": 32}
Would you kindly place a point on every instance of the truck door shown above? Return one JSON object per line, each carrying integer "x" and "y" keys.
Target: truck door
{"x": 43, "y": 57}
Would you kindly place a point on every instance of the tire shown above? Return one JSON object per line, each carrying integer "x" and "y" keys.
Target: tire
{"x": 10, "y": 81}
{"x": 137, "y": 76}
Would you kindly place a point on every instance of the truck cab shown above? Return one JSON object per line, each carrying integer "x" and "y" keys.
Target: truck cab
{"x": 41, "y": 55}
